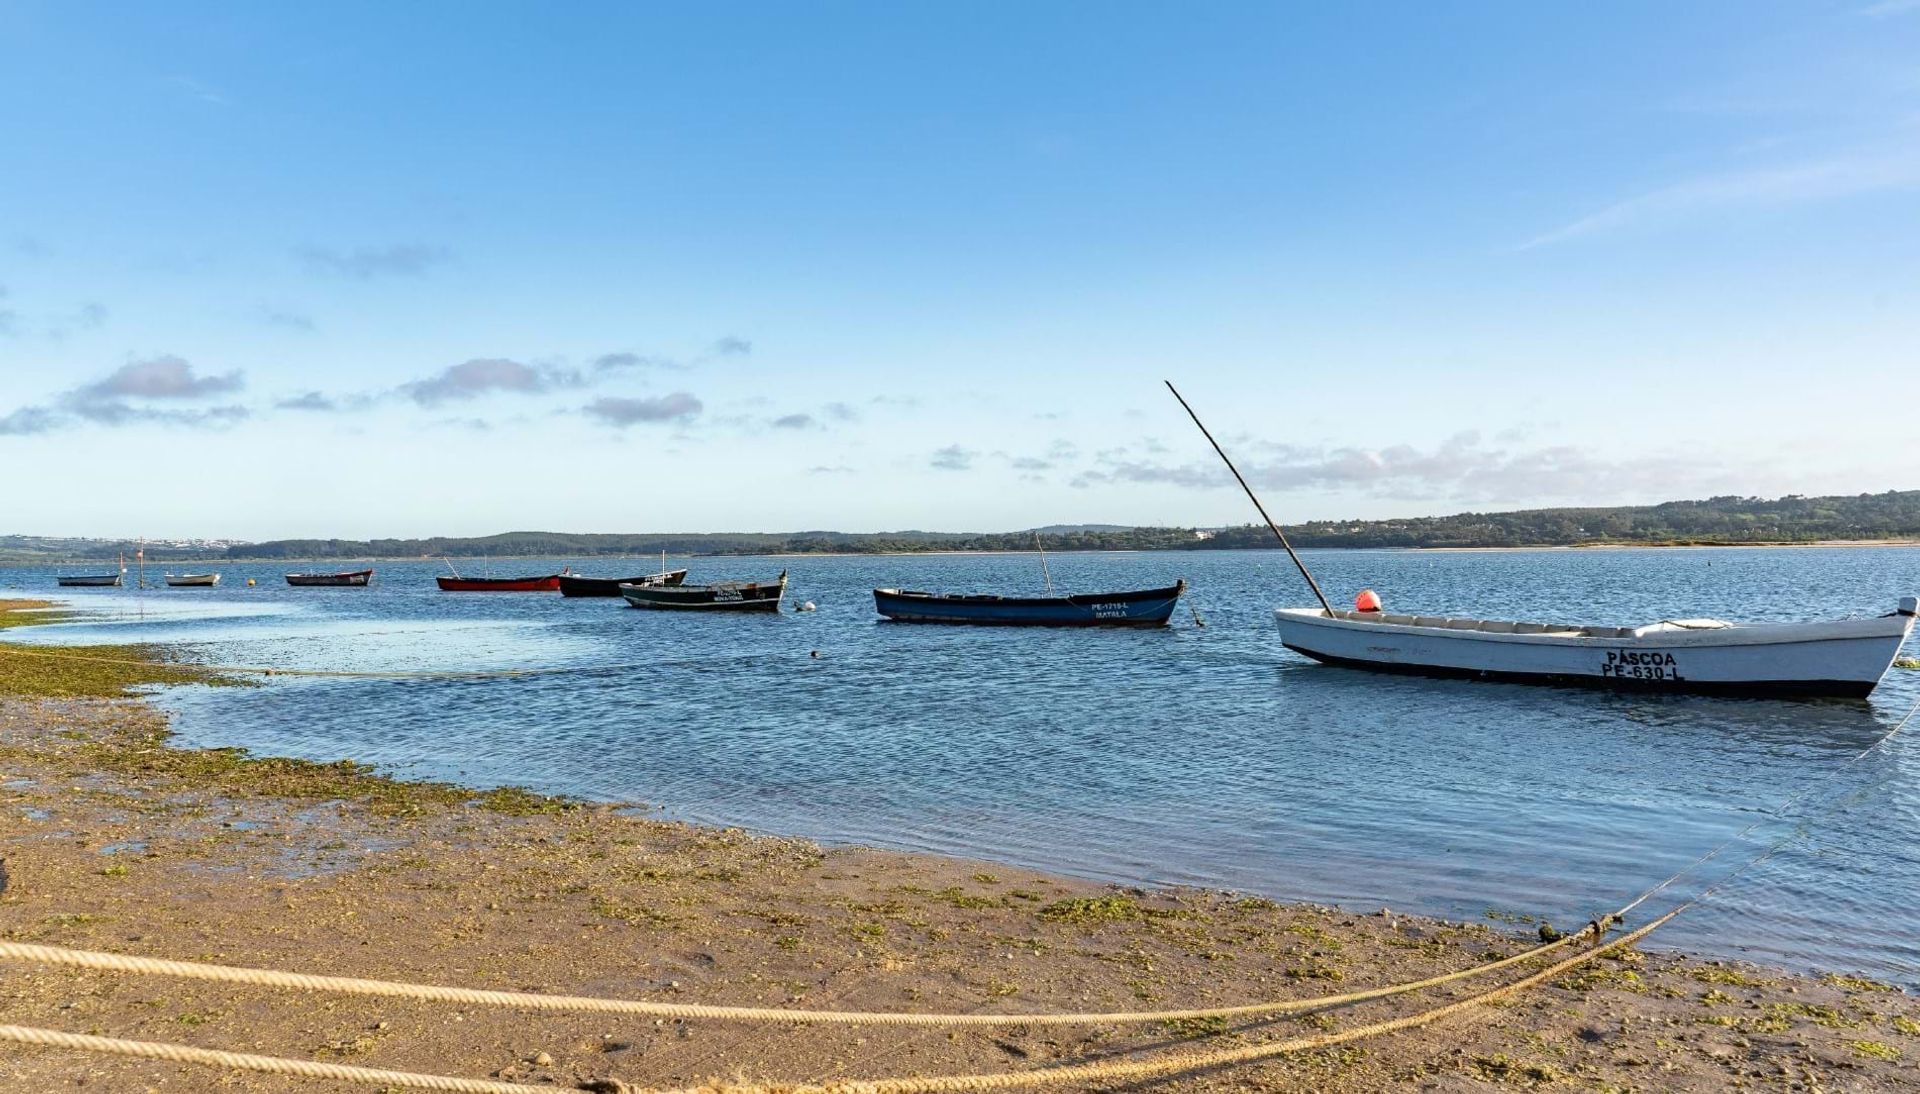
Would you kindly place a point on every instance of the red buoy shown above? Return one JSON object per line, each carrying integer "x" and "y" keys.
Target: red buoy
{"x": 1367, "y": 601}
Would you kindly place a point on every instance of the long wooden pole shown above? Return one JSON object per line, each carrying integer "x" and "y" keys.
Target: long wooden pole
{"x": 1278, "y": 534}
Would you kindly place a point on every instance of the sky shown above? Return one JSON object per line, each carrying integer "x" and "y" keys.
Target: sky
{"x": 381, "y": 269}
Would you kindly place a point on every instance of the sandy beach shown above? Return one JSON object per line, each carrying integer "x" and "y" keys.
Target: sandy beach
{"x": 113, "y": 840}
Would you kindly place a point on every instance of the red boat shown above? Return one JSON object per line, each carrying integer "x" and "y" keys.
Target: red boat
{"x": 545, "y": 584}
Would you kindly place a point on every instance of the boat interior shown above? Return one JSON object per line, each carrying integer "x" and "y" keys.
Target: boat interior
{"x": 1558, "y": 630}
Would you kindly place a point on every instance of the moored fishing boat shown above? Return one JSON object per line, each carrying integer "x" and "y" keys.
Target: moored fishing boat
{"x": 737, "y": 596}
{"x": 94, "y": 581}
{"x": 1844, "y": 658}
{"x": 193, "y": 581}
{"x": 544, "y": 583}
{"x": 1140, "y": 608}
{"x": 578, "y": 585}
{"x": 347, "y": 579}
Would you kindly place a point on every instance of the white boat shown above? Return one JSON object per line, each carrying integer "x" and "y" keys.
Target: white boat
{"x": 193, "y": 581}
{"x": 1842, "y": 658}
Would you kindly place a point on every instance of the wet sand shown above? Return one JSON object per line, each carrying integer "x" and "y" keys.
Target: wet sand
{"x": 112, "y": 840}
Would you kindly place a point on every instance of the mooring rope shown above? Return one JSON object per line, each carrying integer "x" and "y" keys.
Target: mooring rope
{"x": 437, "y": 993}
{"x": 246, "y": 1061}
{"x": 1774, "y": 813}
{"x": 1101, "y": 1070}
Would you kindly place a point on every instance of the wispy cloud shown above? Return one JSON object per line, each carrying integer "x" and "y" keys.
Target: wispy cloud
{"x": 618, "y": 362}
{"x": 1886, "y": 9}
{"x": 199, "y": 89}
{"x": 626, "y": 360}
{"x": 287, "y": 320}
{"x": 118, "y": 414}
{"x": 1461, "y": 468}
{"x": 146, "y": 391}
{"x": 364, "y": 263}
{"x": 163, "y": 377}
{"x": 29, "y": 420}
{"x": 794, "y": 421}
{"x": 1812, "y": 181}
{"x": 622, "y": 412}
{"x": 952, "y": 458}
{"x": 487, "y": 375}
{"x": 312, "y": 400}
{"x": 88, "y": 316}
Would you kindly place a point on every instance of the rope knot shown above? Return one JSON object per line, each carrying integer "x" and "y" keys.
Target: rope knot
{"x": 1601, "y": 924}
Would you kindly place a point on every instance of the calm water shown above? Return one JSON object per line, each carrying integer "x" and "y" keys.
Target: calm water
{"x": 1202, "y": 755}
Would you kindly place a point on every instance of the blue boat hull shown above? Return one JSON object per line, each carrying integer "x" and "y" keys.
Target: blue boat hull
{"x": 1141, "y": 608}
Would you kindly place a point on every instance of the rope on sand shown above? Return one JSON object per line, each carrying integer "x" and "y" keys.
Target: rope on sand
{"x": 437, "y": 993}
{"x": 244, "y": 1061}
{"x": 1097, "y": 1071}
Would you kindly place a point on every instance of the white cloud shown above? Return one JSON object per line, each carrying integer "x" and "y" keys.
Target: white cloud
{"x": 1817, "y": 180}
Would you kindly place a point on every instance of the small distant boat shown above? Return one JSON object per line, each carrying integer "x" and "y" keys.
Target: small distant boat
{"x": 1844, "y": 658}
{"x": 192, "y": 581}
{"x": 94, "y": 581}
{"x": 736, "y": 596}
{"x": 347, "y": 579}
{"x": 1141, "y": 608}
{"x": 576, "y": 585}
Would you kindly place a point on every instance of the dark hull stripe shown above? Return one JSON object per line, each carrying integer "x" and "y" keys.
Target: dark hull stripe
{"x": 770, "y": 604}
{"x": 1804, "y": 689}
{"x": 975, "y": 621}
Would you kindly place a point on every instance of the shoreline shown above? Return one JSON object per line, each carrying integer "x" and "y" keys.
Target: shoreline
{"x": 180, "y": 853}
{"x": 112, "y": 838}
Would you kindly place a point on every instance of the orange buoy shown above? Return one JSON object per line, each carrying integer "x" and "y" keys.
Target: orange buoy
{"x": 1367, "y": 601}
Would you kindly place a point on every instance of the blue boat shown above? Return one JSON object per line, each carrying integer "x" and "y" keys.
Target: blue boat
{"x": 1142, "y": 608}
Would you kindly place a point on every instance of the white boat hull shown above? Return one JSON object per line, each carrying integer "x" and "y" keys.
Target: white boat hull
{"x": 1844, "y": 658}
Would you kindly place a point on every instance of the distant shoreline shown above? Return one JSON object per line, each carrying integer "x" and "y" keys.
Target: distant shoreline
{"x": 348, "y": 560}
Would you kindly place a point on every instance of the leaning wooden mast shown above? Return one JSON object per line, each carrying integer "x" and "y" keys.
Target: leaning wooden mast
{"x": 1278, "y": 534}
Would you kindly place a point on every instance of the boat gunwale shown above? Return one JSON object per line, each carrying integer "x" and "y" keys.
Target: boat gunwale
{"x": 1077, "y": 600}
{"x": 1738, "y": 634}
{"x": 675, "y": 591}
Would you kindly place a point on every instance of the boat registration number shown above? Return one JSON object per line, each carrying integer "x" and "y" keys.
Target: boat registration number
{"x": 728, "y": 595}
{"x": 1108, "y": 611}
{"x": 1640, "y": 665}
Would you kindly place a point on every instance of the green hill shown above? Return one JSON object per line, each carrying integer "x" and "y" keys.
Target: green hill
{"x": 1724, "y": 520}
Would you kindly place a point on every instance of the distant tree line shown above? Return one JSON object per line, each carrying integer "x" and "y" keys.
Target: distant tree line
{"x": 1722, "y": 520}
{"x": 586, "y": 545}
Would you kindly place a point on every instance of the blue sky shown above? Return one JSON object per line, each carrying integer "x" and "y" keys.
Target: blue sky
{"x": 459, "y": 268}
